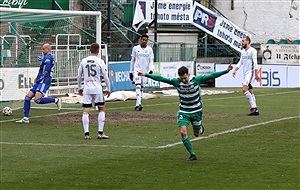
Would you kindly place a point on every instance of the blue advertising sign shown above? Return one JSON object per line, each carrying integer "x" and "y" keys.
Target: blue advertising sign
{"x": 119, "y": 76}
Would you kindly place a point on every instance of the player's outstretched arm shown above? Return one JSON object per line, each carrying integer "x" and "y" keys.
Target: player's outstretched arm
{"x": 216, "y": 74}
{"x": 141, "y": 74}
{"x": 157, "y": 78}
{"x": 230, "y": 67}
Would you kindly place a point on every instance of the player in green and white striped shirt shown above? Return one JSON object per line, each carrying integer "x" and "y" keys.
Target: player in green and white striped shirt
{"x": 190, "y": 107}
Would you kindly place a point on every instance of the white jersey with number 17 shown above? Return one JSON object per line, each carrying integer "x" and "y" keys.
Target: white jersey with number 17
{"x": 92, "y": 67}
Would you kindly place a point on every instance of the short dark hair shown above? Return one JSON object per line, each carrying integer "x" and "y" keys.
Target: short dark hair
{"x": 94, "y": 48}
{"x": 144, "y": 36}
{"x": 183, "y": 70}
{"x": 248, "y": 39}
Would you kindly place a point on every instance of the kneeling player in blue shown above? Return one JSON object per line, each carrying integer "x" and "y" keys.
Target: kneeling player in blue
{"x": 190, "y": 107}
{"x": 42, "y": 84}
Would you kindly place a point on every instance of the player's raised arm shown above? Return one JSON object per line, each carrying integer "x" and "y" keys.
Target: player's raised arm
{"x": 141, "y": 73}
{"x": 215, "y": 74}
{"x": 157, "y": 77}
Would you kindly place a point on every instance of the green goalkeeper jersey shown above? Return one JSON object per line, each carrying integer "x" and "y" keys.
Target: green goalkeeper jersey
{"x": 190, "y": 93}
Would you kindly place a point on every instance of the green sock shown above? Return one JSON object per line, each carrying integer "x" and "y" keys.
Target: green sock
{"x": 188, "y": 145}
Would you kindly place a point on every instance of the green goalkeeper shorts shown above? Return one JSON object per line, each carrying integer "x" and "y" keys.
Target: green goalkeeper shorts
{"x": 184, "y": 119}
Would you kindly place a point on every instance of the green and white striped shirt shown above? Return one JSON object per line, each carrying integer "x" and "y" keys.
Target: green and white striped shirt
{"x": 190, "y": 93}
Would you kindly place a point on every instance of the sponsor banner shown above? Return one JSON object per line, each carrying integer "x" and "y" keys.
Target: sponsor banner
{"x": 175, "y": 12}
{"x": 170, "y": 69}
{"x": 281, "y": 53}
{"x": 204, "y": 68}
{"x": 274, "y": 76}
{"x": 119, "y": 76}
{"x": 152, "y": 83}
{"x": 168, "y": 11}
{"x": 16, "y": 82}
{"x": 218, "y": 27}
{"x": 34, "y": 4}
{"x": 293, "y": 79}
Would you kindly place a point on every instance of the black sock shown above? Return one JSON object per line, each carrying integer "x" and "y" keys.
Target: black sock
{"x": 87, "y": 133}
{"x": 100, "y": 132}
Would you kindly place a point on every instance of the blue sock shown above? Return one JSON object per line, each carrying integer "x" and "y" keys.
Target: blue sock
{"x": 27, "y": 106}
{"x": 45, "y": 100}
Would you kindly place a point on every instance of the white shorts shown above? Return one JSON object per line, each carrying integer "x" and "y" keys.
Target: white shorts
{"x": 139, "y": 79}
{"x": 248, "y": 79}
{"x": 90, "y": 100}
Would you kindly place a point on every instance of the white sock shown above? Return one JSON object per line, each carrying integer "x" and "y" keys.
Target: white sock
{"x": 85, "y": 122}
{"x": 250, "y": 99}
{"x": 254, "y": 99}
{"x": 101, "y": 119}
{"x": 138, "y": 95}
{"x": 142, "y": 91}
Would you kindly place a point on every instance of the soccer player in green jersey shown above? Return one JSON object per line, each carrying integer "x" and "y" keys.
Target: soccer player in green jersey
{"x": 190, "y": 107}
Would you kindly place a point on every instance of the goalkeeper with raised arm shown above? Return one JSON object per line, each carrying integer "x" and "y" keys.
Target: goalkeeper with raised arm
{"x": 42, "y": 84}
{"x": 190, "y": 107}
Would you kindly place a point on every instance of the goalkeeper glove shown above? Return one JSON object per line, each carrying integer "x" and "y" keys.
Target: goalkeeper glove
{"x": 40, "y": 58}
{"x": 131, "y": 76}
{"x": 151, "y": 72}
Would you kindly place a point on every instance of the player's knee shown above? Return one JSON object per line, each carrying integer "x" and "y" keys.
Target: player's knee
{"x": 197, "y": 133}
{"x": 38, "y": 101}
{"x": 27, "y": 98}
{"x": 183, "y": 133}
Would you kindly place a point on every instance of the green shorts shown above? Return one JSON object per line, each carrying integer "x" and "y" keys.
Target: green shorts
{"x": 184, "y": 119}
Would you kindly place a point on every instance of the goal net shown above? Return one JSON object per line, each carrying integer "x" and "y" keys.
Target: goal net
{"x": 22, "y": 34}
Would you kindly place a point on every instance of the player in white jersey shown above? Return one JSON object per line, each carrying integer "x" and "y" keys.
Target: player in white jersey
{"x": 141, "y": 61}
{"x": 249, "y": 61}
{"x": 92, "y": 68}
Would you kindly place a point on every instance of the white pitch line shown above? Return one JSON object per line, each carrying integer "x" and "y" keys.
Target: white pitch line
{"x": 231, "y": 131}
{"x": 159, "y": 147}
{"x": 72, "y": 145}
{"x": 39, "y": 116}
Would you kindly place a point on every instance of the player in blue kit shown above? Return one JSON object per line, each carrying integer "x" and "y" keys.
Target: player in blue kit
{"x": 42, "y": 84}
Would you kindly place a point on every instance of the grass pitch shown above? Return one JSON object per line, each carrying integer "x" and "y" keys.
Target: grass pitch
{"x": 144, "y": 150}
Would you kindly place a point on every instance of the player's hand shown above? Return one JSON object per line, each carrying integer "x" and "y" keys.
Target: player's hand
{"x": 108, "y": 94}
{"x": 230, "y": 67}
{"x": 257, "y": 78}
{"x": 141, "y": 74}
{"x": 233, "y": 74}
{"x": 151, "y": 72}
{"x": 80, "y": 92}
{"x": 40, "y": 58}
{"x": 131, "y": 76}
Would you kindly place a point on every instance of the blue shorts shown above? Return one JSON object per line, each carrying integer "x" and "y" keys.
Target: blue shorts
{"x": 40, "y": 87}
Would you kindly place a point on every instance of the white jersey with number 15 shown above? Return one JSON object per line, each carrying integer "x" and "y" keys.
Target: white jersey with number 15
{"x": 92, "y": 68}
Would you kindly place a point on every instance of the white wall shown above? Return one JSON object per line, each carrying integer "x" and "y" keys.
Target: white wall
{"x": 190, "y": 38}
{"x": 264, "y": 19}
